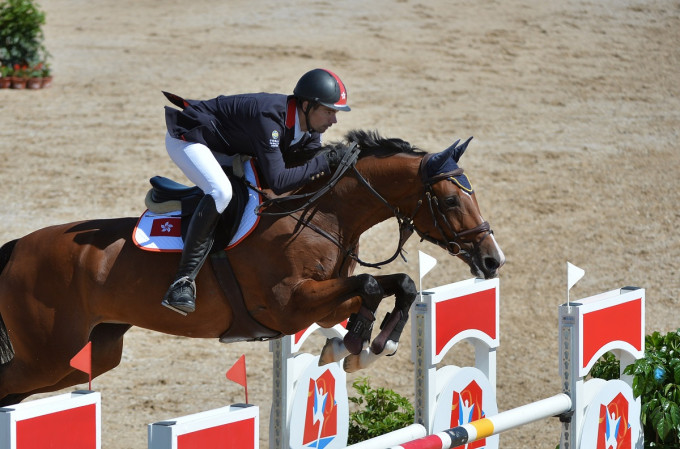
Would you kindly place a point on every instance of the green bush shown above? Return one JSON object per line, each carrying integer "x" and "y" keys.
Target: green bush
{"x": 21, "y": 35}
{"x": 656, "y": 378}
{"x": 383, "y": 411}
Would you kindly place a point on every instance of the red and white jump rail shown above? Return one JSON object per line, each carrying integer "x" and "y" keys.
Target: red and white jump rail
{"x": 595, "y": 413}
{"x": 232, "y": 427}
{"x": 493, "y": 425}
{"x": 71, "y": 420}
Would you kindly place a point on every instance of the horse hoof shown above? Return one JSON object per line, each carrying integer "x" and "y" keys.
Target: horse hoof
{"x": 333, "y": 351}
{"x": 352, "y": 363}
{"x": 390, "y": 348}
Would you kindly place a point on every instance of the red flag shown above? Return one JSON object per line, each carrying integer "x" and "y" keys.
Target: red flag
{"x": 237, "y": 373}
{"x": 83, "y": 361}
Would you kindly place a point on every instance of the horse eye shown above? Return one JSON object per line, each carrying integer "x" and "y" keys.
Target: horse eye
{"x": 452, "y": 201}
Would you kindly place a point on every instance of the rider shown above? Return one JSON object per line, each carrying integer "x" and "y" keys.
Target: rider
{"x": 263, "y": 125}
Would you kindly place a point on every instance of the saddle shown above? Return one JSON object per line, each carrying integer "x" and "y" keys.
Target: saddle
{"x": 167, "y": 196}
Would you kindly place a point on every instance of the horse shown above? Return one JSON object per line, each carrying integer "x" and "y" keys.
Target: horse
{"x": 65, "y": 285}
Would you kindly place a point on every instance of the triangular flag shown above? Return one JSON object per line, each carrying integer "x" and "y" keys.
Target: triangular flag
{"x": 427, "y": 263}
{"x": 237, "y": 373}
{"x": 574, "y": 274}
{"x": 83, "y": 361}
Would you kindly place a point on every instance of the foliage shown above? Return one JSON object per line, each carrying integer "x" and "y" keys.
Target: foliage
{"x": 607, "y": 368}
{"x": 36, "y": 71}
{"x": 383, "y": 411}
{"x": 6, "y": 71}
{"x": 656, "y": 378}
{"x": 21, "y": 71}
{"x": 21, "y": 35}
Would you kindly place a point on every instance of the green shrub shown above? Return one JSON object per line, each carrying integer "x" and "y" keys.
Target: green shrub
{"x": 382, "y": 411}
{"x": 656, "y": 378}
{"x": 21, "y": 35}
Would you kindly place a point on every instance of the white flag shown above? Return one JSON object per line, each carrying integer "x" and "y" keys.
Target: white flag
{"x": 426, "y": 262}
{"x": 574, "y": 274}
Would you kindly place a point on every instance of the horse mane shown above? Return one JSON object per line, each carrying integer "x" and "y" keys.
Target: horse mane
{"x": 373, "y": 144}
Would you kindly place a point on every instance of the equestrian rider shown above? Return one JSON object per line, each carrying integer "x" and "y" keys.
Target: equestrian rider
{"x": 262, "y": 125}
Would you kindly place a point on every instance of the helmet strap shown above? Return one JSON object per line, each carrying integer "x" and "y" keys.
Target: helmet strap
{"x": 306, "y": 112}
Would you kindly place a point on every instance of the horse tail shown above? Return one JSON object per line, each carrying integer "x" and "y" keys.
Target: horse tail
{"x": 6, "y": 252}
{"x": 6, "y": 350}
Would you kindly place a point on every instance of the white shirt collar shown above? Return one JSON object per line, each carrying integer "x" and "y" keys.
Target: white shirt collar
{"x": 299, "y": 133}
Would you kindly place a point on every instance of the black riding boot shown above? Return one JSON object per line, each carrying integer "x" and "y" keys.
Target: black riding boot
{"x": 181, "y": 296}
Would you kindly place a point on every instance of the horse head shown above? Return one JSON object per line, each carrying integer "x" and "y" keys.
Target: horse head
{"x": 452, "y": 218}
{"x": 428, "y": 193}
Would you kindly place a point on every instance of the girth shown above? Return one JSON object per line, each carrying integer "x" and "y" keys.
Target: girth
{"x": 243, "y": 326}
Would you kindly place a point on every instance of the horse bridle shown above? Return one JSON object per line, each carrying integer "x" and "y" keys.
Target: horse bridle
{"x": 454, "y": 246}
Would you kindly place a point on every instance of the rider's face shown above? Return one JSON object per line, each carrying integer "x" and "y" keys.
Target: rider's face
{"x": 322, "y": 118}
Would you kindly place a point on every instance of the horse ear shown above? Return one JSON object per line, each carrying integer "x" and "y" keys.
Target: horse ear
{"x": 438, "y": 161}
{"x": 459, "y": 150}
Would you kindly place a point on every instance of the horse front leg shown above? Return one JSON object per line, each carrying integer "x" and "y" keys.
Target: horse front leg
{"x": 404, "y": 290}
{"x": 332, "y": 301}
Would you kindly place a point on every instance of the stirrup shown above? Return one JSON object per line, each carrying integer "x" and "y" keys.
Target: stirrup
{"x": 179, "y": 305}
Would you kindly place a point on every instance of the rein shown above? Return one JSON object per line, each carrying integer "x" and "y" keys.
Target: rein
{"x": 406, "y": 226}
{"x": 348, "y": 160}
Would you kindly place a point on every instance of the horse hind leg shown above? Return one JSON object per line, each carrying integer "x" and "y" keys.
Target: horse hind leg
{"x": 107, "y": 350}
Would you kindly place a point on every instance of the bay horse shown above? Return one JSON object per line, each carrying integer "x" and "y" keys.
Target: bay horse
{"x": 65, "y": 285}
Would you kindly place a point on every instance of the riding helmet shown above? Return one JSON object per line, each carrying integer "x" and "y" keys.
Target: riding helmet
{"x": 324, "y": 87}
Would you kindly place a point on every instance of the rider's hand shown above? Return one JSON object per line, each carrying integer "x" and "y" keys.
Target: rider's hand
{"x": 334, "y": 156}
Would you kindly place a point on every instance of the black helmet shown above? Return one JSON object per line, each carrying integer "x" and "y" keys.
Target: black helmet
{"x": 324, "y": 87}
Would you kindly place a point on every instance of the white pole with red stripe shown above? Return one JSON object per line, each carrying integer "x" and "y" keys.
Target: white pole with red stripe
{"x": 486, "y": 427}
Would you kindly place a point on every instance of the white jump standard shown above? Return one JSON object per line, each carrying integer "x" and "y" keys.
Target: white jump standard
{"x": 595, "y": 413}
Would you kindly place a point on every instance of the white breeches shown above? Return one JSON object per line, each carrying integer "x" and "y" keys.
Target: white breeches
{"x": 200, "y": 165}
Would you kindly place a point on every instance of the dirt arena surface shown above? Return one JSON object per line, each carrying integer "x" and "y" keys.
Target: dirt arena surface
{"x": 574, "y": 105}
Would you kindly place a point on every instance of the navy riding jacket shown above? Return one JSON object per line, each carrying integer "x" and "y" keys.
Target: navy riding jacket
{"x": 260, "y": 125}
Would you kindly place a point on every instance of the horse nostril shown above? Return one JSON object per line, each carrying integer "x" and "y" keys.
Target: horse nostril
{"x": 491, "y": 264}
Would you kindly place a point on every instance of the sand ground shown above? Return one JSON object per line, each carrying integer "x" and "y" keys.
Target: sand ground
{"x": 574, "y": 105}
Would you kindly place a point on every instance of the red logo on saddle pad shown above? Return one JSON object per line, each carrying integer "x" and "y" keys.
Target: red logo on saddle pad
{"x": 167, "y": 227}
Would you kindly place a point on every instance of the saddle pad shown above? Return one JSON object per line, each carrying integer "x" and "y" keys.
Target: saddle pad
{"x": 163, "y": 232}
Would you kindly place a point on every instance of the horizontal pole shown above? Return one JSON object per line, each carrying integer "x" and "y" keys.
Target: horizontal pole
{"x": 408, "y": 433}
{"x": 492, "y": 425}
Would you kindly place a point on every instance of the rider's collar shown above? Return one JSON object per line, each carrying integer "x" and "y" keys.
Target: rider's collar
{"x": 293, "y": 121}
{"x": 299, "y": 133}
